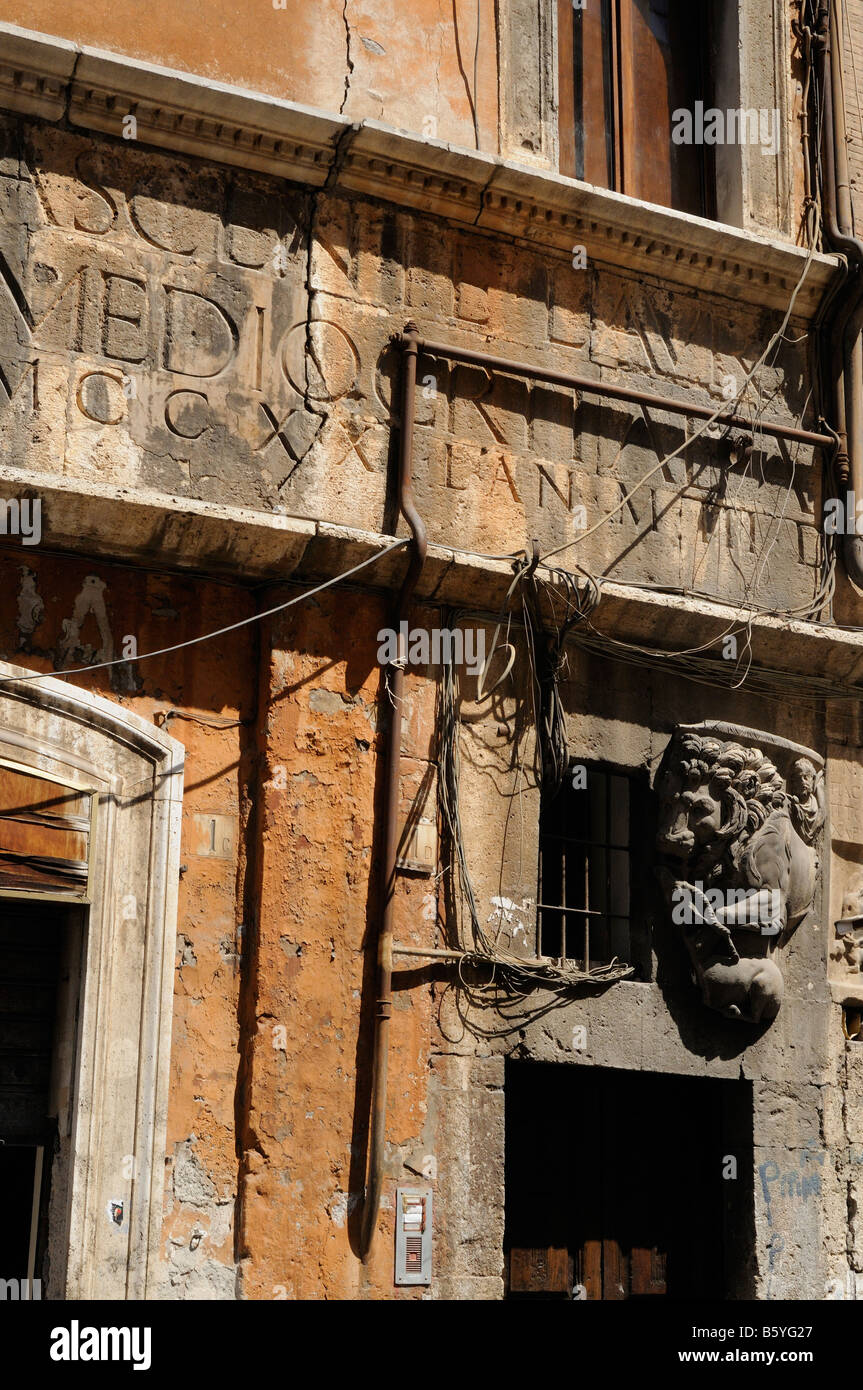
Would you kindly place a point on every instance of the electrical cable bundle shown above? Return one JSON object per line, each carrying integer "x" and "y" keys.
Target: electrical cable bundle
{"x": 509, "y": 975}
{"x": 550, "y": 665}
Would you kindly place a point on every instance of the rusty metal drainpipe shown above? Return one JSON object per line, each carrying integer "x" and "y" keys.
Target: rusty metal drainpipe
{"x": 847, "y": 325}
{"x": 838, "y": 311}
{"x": 396, "y": 680}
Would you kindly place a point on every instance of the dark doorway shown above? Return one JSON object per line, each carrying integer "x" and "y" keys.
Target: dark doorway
{"x": 620, "y": 1184}
{"x": 35, "y": 955}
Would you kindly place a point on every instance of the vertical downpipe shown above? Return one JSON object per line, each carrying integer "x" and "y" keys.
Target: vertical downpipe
{"x": 847, "y": 347}
{"x": 395, "y": 681}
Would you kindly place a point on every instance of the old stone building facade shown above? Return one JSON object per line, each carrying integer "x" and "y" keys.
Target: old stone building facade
{"x": 486, "y": 923}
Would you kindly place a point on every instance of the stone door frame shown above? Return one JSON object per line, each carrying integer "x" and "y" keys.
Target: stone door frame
{"x": 115, "y": 1147}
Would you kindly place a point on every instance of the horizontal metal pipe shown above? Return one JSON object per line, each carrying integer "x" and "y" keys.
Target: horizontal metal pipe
{"x": 428, "y": 954}
{"x": 623, "y": 393}
{"x": 573, "y": 911}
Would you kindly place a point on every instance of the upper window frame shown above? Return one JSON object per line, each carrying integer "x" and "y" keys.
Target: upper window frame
{"x": 608, "y": 128}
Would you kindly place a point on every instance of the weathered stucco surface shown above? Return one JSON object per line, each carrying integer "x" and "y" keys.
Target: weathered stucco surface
{"x": 384, "y": 61}
{"x": 173, "y": 327}
{"x": 307, "y": 1093}
{"x": 205, "y": 698}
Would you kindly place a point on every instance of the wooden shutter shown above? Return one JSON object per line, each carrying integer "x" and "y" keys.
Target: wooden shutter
{"x": 44, "y": 835}
{"x": 586, "y": 75}
{"x": 625, "y": 67}
{"x": 662, "y": 69}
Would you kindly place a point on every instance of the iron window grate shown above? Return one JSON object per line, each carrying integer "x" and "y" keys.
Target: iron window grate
{"x": 585, "y": 870}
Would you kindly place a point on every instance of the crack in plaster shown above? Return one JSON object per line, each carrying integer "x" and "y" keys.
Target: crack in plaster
{"x": 482, "y": 194}
{"x": 349, "y": 59}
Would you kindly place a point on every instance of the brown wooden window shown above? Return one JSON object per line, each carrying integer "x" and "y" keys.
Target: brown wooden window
{"x": 44, "y": 835}
{"x": 589, "y": 867}
{"x": 625, "y": 67}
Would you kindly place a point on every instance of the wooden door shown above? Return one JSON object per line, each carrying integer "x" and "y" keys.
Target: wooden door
{"x": 614, "y": 1184}
{"x": 623, "y": 1234}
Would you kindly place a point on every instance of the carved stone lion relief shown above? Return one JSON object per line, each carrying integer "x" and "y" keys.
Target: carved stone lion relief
{"x": 741, "y": 814}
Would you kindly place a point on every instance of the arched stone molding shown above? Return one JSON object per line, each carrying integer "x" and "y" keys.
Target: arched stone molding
{"x": 114, "y": 1145}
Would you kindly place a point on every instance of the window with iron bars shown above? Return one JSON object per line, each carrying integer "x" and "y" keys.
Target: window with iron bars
{"x": 591, "y": 852}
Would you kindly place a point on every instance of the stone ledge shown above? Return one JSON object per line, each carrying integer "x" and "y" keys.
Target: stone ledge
{"x": 157, "y": 530}
{"x": 44, "y": 76}
{"x": 671, "y": 246}
{"x": 160, "y": 531}
{"x": 205, "y": 119}
{"x": 674, "y": 622}
{"x": 34, "y": 72}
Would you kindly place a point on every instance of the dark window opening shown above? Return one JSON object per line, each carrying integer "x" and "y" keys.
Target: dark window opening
{"x": 625, "y": 67}
{"x": 627, "y": 1185}
{"x": 592, "y": 895}
{"x": 36, "y": 946}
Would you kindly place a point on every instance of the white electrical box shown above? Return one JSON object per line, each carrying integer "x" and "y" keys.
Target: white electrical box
{"x": 413, "y": 1235}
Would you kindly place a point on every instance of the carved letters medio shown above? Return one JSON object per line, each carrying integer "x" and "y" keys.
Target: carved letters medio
{"x": 166, "y": 301}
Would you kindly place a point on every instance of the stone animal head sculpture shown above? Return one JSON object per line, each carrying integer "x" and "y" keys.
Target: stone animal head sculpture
{"x": 737, "y": 838}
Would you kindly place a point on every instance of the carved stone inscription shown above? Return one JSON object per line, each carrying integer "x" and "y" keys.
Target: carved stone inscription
{"x": 203, "y": 332}
{"x": 155, "y": 325}
{"x": 741, "y": 814}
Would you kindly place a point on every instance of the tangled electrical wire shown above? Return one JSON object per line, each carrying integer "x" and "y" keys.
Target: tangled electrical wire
{"x": 549, "y": 661}
{"x": 506, "y": 979}
{"x": 537, "y": 590}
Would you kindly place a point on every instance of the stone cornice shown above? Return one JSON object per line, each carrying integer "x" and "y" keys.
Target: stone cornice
{"x": 104, "y": 522}
{"x": 34, "y": 72}
{"x": 48, "y": 77}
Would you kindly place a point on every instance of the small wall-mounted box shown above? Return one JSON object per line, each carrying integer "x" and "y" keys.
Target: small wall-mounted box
{"x": 413, "y": 1235}
{"x": 420, "y": 856}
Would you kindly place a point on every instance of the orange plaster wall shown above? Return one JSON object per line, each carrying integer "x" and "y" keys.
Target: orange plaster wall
{"x": 422, "y": 80}
{"x": 285, "y": 1111}
{"x": 211, "y": 682}
{"x": 319, "y": 896}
